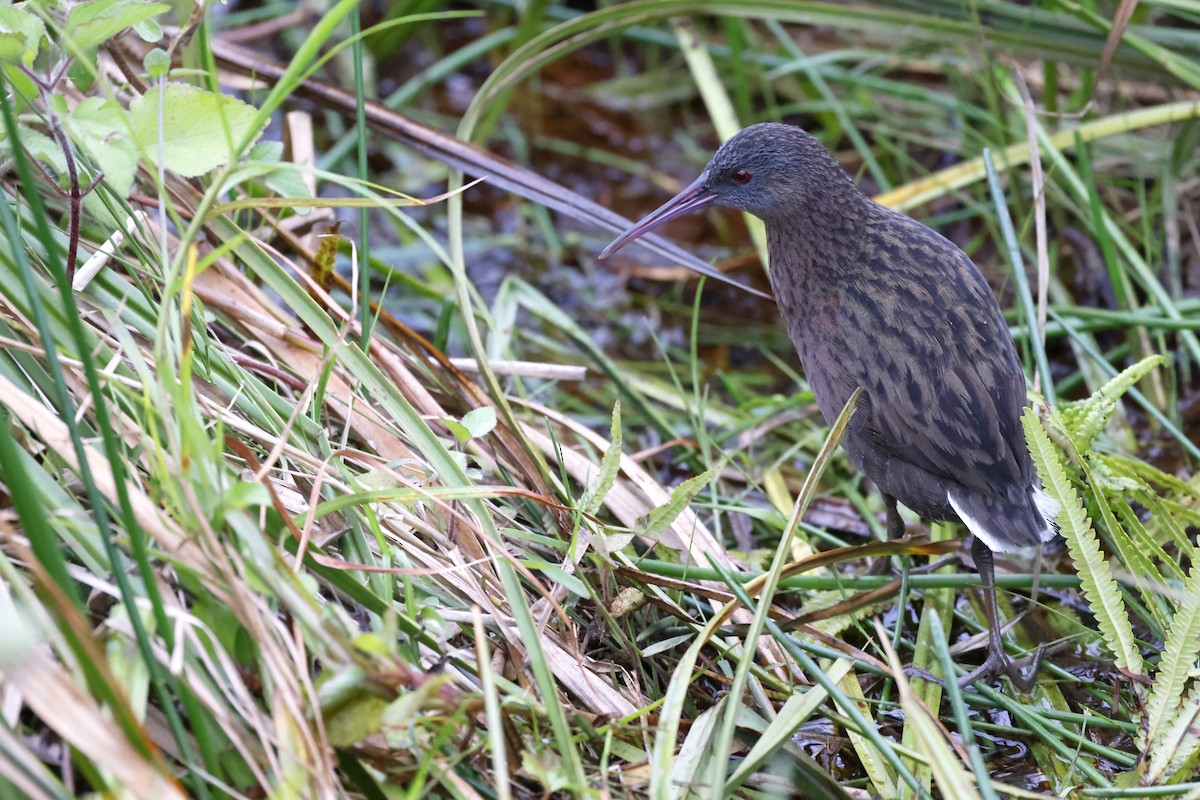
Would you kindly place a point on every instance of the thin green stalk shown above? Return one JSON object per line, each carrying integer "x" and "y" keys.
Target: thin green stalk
{"x": 364, "y": 214}
{"x": 1022, "y": 280}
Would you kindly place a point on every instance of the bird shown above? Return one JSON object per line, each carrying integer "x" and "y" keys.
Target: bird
{"x": 875, "y": 300}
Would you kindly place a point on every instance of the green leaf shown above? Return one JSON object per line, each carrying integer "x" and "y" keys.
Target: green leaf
{"x": 661, "y": 518}
{"x": 82, "y": 71}
{"x": 560, "y": 576}
{"x": 547, "y": 769}
{"x": 286, "y": 181}
{"x": 459, "y": 431}
{"x": 149, "y": 31}
{"x": 101, "y": 128}
{"x": 21, "y": 35}
{"x": 1095, "y": 575}
{"x": 248, "y": 494}
{"x": 92, "y": 24}
{"x": 480, "y": 421}
{"x": 608, "y": 544}
{"x": 198, "y": 127}
{"x": 266, "y": 150}
{"x": 610, "y": 465}
{"x": 43, "y": 148}
{"x": 157, "y": 63}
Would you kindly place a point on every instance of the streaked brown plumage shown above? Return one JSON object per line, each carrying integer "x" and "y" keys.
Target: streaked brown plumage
{"x": 876, "y": 300}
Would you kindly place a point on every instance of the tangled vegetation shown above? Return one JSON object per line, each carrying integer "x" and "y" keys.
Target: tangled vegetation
{"x": 335, "y": 465}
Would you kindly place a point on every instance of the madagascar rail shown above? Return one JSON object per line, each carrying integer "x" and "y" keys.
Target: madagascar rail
{"x": 876, "y": 300}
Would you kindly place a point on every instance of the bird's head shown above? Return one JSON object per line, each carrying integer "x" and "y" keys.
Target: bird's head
{"x": 770, "y": 170}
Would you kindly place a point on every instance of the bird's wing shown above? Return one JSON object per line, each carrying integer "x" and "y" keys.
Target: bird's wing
{"x": 945, "y": 386}
{"x": 958, "y": 420}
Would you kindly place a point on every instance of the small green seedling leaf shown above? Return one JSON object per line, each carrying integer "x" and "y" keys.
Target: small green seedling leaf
{"x": 198, "y": 127}
{"x": 157, "y": 63}
{"x": 460, "y": 432}
{"x": 610, "y": 465}
{"x": 247, "y": 494}
{"x": 480, "y": 422}
{"x": 661, "y": 518}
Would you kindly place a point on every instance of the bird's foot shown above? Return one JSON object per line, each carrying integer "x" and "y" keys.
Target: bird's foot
{"x": 1022, "y": 672}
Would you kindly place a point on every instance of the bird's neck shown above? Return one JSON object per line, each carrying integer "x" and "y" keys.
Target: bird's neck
{"x": 816, "y": 247}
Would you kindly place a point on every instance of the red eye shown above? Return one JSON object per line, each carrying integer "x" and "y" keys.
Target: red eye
{"x": 740, "y": 176}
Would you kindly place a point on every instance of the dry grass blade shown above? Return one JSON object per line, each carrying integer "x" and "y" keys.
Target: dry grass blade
{"x": 1120, "y": 21}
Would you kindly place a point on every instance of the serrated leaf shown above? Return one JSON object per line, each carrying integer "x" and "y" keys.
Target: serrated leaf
{"x": 92, "y": 24}
{"x": 610, "y": 465}
{"x": 198, "y": 127}
{"x": 1085, "y": 419}
{"x": 1095, "y": 575}
{"x": 1135, "y": 467}
{"x": 661, "y": 518}
{"x": 1177, "y": 666}
{"x": 1179, "y": 742}
{"x": 21, "y": 35}
{"x": 480, "y": 421}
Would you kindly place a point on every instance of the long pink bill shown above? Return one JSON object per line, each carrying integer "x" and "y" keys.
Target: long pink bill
{"x": 693, "y": 198}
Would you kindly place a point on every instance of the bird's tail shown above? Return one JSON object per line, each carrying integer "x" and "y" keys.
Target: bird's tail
{"x": 1021, "y": 518}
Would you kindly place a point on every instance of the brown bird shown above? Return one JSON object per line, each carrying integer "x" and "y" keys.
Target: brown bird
{"x": 874, "y": 299}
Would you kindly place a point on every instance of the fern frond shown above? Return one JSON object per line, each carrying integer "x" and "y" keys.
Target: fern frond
{"x": 1099, "y": 588}
{"x": 1085, "y": 419}
{"x": 1168, "y": 717}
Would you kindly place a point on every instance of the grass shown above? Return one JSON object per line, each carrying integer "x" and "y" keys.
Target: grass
{"x": 281, "y": 521}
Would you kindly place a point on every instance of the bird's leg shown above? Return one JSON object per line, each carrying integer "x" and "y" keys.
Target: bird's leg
{"x": 895, "y": 530}
{"x": 895, "y": 523}
{"x": 998, "y": 661}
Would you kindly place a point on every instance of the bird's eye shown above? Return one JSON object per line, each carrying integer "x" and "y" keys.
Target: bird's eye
{"x": 740, "y": 176}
